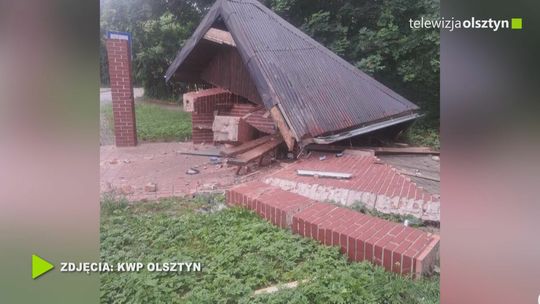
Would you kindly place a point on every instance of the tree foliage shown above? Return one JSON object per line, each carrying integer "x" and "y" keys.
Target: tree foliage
{"x": 159, "y": 28}
{"x": 373, "y": 35}
{"x": 376, "y": 37}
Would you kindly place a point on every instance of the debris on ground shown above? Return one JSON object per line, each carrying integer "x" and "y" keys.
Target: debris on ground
{"x": 150, "y": 187}
{"x": 337, "y": 175}
{"x": 167, "y": 171}
{"x": 278, "y": 287}
{"x": 192, "y": 171}
{"x": 215, "y": 160}
{"x": 322, "y": 157}
{"x": 419, "y": 175}
{"x": 212, "y": 153}
{"x": 126, "y": 189}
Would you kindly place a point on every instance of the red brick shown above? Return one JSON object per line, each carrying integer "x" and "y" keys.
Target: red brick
{"x": 351, "y": 248}
{"x": 396, "y": 262}
{"x": 321, "y": 236}
{"x": 388, "y": 256}
{"x": 328, "y": 237}
{"x": 395, "y": 247}
{"x": 360, "y": 250}
{"x": 406, "y": 267}
{"x": 378, "y": 250}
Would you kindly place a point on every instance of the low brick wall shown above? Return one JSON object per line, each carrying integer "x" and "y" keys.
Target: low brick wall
{"x": 395, "y": 247}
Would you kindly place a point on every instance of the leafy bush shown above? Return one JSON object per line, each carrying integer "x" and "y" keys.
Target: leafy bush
{"x": 240, "y": 253}
{"x": 423, "y": 134}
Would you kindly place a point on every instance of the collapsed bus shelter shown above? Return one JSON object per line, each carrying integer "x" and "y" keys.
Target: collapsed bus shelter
{"x": 268, "y": 77}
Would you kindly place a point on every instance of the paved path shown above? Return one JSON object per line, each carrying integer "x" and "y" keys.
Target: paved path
{"x": 106, "y": 98}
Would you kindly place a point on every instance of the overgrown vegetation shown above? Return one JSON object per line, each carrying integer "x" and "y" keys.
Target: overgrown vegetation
{"x": 240, "y": 253}
{"x": 421, "y": 134}
{"x": 155, "y": 123}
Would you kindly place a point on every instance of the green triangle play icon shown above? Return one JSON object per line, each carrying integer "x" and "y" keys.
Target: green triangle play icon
{"x": 39, "y": 266}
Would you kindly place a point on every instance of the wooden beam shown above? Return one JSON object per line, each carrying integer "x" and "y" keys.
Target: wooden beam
{"x": 286, "y": 133}
{"x": 255, "y": 153}
{"x": 245, "y": 146}
{"x": 219, "y": 36}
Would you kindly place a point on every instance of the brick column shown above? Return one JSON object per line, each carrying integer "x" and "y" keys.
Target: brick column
{"x": 125, "y": 131}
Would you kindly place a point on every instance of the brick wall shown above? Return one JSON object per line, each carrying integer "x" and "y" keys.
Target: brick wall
{"x": 122, "y": 92}
{"x": 361, "y": 237}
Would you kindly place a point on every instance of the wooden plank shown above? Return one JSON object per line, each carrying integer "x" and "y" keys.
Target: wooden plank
{"x": 255, "y": 153}
{"x": 283, "y": 127}
{"x": 245, "y": 146}
{"x": 219, "y": 36}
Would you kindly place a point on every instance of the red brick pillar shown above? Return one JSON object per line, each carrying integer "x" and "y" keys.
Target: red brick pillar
{"x": 125, "y": 131}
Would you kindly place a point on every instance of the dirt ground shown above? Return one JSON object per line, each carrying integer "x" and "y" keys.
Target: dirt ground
{"x": 128, "y": 171}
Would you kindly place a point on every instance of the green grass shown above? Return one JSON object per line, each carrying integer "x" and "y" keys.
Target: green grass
{"x": 155, "y": 123}
{"x": 240, "y": 253}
